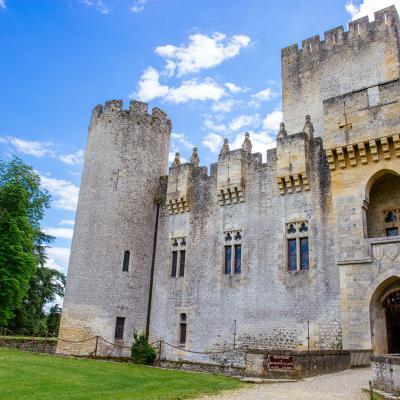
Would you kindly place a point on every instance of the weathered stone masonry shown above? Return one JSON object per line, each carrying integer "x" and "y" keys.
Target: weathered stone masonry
{"x": 331, "y": 183}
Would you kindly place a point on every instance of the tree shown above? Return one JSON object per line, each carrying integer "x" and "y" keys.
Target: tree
{"x": 142, "y": 352}
{"x": 22, "y": 243}
{"x": 53, "y": 320}
{"x": 31, "y": 316}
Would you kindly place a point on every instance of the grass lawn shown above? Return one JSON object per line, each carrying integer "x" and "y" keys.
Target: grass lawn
{"x": 35, "y": 376}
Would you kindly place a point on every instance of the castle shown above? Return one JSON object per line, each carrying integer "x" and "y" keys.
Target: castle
{"x": 300, "y": 252}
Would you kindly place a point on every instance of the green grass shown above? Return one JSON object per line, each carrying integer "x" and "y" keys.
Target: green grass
{"x": 28, "y": 338}
{"x": 36, "y": 376}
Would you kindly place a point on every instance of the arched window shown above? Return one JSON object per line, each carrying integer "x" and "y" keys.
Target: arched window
{"x": 125, "y": 265}
{"x": 182, "y": 329}
{"x": 383, "y": 213}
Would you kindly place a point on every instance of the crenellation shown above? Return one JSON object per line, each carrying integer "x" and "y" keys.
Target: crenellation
{"x": 138, "y": 107}
{"x": 333, "y": 37}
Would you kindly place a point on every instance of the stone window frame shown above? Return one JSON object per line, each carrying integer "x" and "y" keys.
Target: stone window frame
{"x": 232, "y": 239}
{"x": 183, "y": 321}
{"x": 297, "y": 235}
{"x": 391, "y": 224}
{"x": 178, "y": 246}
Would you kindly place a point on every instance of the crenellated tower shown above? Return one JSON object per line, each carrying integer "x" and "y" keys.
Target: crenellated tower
{"x": 364, "y": 56}
{"x": 111, "y": 257}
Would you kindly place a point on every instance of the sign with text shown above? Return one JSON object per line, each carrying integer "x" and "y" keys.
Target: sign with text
{"x": 281, "y": 362}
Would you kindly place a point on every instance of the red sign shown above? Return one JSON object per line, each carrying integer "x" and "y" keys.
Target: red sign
{"x": 281, "y": 362}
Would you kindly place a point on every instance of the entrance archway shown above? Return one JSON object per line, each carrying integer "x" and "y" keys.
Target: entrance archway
{"x": 385, "y": 317}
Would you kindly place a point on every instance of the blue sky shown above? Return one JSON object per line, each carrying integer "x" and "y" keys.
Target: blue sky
{"x": 213, "y": 66}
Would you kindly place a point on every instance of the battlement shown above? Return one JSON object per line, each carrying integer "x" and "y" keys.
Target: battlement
{"x": 136, "y": 109}
{"x": 360, "y": 29}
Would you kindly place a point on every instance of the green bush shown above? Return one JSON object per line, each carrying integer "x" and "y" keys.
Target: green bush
{"x": 142, "y": 352}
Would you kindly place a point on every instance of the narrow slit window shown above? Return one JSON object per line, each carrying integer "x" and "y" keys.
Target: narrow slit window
{"x": 125, "y": 265}
{"x": 174, "y": 263}
{"x": 182, "y": 263}
{"x": 304, "y": 259}
{"x": 228, "y": 261}
{"x": 182, "y": 329}
{"x": 119, "y": 328}
{"x": 238, "y": 259}
{"x": 292, "y": 255}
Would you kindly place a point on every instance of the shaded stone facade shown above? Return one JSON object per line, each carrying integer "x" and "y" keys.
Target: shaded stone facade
{"x": 309, "y": 235}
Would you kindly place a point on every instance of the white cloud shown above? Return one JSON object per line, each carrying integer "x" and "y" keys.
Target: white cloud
{"x": 224, "y": 106}
{"x": 65, "y": 194}
{"x": 213, "y": 142}
{"x": 233, "y": 88}
{"x": 99, "y": 5}
{"x": 138, "y": 6}
{"x": 181, "y": 138}
{"x": 150, "y": 88}
{"x": 368, "y": 7}
{"x": 211, "y": 126}
{"x": 33, "y": 148}
{"x": 67, "y": 222}
{"x": 65, "y": 233}
{"x": 262, "y": 96}
{"x": 244, "y": 120}
{"x": 58, "y": 258}
{"x": 2, "y": 4}
{"x": 202, "y": 52}
{"x": 272, "y": 121}
{"x": 73, "y": 158}
{"x": 42, "y": 149}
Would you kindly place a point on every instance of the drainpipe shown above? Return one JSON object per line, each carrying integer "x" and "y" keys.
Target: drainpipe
{"x": 153, "y": 260}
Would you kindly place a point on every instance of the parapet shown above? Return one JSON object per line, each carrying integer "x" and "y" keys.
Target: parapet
{"x": 358, "y": 30}
{"x": 137, "y": 109}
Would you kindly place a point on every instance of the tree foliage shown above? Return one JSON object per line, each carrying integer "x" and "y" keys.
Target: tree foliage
{"x": 22, "y": 243}
{"x": 142, "y": 352}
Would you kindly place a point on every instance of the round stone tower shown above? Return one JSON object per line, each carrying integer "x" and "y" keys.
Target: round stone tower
{"x": 111, "y": 256}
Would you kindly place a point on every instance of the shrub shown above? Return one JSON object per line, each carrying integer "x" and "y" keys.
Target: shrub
{"x": 142, "y": 352}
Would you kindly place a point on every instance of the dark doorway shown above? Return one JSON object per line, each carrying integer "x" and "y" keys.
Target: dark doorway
{"x": 392, "y": 306}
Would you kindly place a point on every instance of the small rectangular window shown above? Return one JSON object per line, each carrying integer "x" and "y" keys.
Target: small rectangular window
{"x": 228, "y": 257}
{"x": 292, "y": 255}
{"x": 182, "y": 263}
{"x": 119, "y": 328}
{"x": 238, "y": 259}
{"x": 125, "y": 265}
{"x": 182, "y": 334}
{"x": 304, "y": 259}
{"x": 392, "y": 231}
{"x": 174, "y": 263}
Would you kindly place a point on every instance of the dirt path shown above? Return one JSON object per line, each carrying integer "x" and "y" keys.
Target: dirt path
{"x": 345, "y": 385}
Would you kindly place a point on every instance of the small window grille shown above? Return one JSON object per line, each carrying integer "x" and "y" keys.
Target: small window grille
{"x": 292, "y": 255}
{"x": 119, "y": 328}
{"x": 182, "y": 263}
{"x": 178, "y": 247}
{"x": 233, "y": 252}
{"x": 228, "y": 257}
{"x": 125, "y": 265}
{"x": 392, "y": 231}
{"x": 391, "y": 222}
{"x": 174, "y": 263}
{"x": 304, "y": 259}
{"x": 238, "y": 259}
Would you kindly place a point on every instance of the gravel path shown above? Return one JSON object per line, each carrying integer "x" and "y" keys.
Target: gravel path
{"x": 345, "y": 385}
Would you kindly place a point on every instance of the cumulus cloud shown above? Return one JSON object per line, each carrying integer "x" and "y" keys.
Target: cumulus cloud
{"x": 210, "y": 125}
{"x": 262, "y": 96}
{"x": 224, "y": 106}
{"x": 73, "y": 158}
{"x": 2, "y": 4}
{"x": 272, "y": 120}
{"x": 182, "y": 139}
{"x": 149, "y": 88}
{"x": 233, "y": 88}
{"x": 244, "y": 120}
{"x": 213, "y": 142}
{"x": 58, "y": 258}
{"x": 42, "y": 149}
{"x": 64, "y": 193}
{"x": 202, "y": 52}
{"x": 65, "y": 233}
{"x": 368, "y": 7}
{"x": 138, "y": 6}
